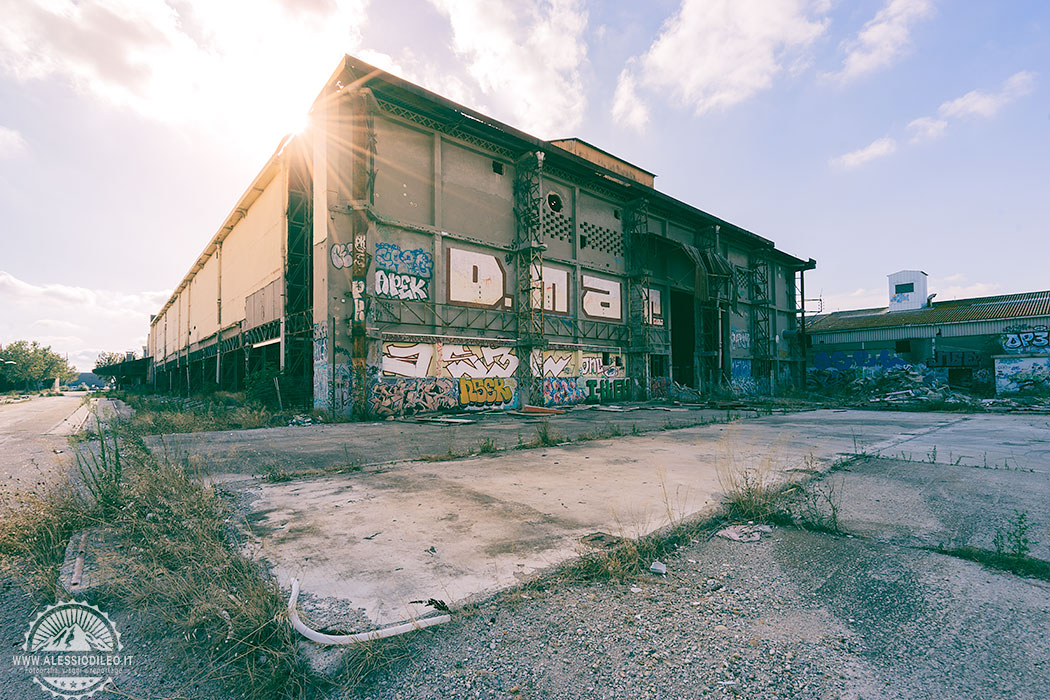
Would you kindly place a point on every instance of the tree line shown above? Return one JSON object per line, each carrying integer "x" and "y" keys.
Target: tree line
{"x": 30, "y": 365}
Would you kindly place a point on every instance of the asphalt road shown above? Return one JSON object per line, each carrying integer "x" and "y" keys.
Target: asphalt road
{"x": 34, "y": 439}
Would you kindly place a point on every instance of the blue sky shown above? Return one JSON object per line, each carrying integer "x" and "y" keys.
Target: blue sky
{"x": 871, "y": 135}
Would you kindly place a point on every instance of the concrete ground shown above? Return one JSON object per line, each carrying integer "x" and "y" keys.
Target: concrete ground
{"x": 34, "y": 438}
{"x": 227, "y": 454}
{"x": 374, "y": 540}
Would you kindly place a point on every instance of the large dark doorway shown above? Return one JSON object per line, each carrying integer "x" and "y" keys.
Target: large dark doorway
{"x": 683, "y": 338}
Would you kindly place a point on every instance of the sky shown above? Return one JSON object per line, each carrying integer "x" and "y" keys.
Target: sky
{"x": 871, "y": 135}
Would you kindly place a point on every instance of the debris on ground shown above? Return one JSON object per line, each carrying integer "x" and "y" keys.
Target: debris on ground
{"x": 302, "y": 419}
{"x": 904, "y": 385}
{"x": 602, "y": 540}
{"x": 744, "y": 533}
{"x": 658, "y": 567}
{"x": 542, "y": 410}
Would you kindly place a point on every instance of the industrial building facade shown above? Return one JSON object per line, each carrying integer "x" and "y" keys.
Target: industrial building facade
{"x": 405, "y": 254}
{"x": 995, "y": 344}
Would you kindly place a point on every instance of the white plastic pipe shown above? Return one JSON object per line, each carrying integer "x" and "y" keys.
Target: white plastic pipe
{"x": 345, "y": 639}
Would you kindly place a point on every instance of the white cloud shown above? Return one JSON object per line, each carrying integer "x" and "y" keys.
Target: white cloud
{"x": 628, "y": 106}
{"x": 525, "y": 56}
{"x": 249, "y": 74}
{"x": 884, "y": 38}
{"x": 926, "y": 128}
{"x": 861, "y": 298}
{"x": 973, "y": 104}
{"x": 713, "y": 54}
{"x": 956, "y": 286}
{"x": 876, "y": 149}
{"x": 76, "y": 320}
{"x": 11, "y": 142}
{"x": 982, "y": 104}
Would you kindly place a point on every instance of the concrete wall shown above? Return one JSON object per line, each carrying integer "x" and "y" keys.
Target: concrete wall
{"x": 252, "y": 252}
{"x": 1022, "y": 374}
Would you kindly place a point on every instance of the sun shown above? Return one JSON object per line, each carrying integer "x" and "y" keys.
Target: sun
{"x": 297, "y": 123}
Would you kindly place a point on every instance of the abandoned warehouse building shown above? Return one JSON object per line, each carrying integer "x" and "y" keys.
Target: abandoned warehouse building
{"x": 994, "y": 344}
{"x": 405, "y": 254}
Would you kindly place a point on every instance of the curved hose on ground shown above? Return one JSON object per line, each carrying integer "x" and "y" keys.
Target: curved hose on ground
{"x": 345, "y": 639}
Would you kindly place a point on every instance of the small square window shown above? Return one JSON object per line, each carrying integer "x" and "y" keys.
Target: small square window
{"x": 904, "y": 288}
{"x": 903, "y": 346}
{"x": 497, "y": 167}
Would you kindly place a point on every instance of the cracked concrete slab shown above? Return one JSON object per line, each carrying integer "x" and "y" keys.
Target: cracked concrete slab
{"x": 382, "y": 537}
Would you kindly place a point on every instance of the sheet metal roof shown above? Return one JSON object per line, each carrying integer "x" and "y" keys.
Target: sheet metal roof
{"x": 954, "y": 311}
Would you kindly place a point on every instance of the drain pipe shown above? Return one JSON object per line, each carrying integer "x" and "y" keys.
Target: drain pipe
{"x": 345, "y": 639}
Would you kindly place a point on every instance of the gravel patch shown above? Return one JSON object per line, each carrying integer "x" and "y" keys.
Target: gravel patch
{"x": 724, "y": 622}
{"x": 796, "y": 615}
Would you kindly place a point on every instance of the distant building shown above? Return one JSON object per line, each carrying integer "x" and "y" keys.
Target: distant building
{"x": 408, "y": 254}
{"x": 970, "y": 343}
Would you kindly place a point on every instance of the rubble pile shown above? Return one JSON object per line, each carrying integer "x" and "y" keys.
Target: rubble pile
{"x": 909, "y": 385}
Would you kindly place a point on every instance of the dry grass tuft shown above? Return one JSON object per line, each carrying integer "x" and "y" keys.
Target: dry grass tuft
{"x": 184, "y": 570}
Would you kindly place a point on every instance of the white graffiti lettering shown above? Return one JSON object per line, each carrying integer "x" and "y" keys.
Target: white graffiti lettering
{"x": 342, "y": 255}
{"x": 1038, "y": 337}
{"x": 652, "y": 312}
{"x": 555, "y": 283}
{"x": 601, "y": 298}
{"x": 595, "y": 366}
{"x": 476, "y": 279}
{"x": 478, "y": 362}
{"x": 393, "y": 285}
{"x": 407, "y": 360}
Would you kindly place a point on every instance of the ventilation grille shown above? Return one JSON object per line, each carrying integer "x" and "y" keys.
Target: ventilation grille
{"x": 557, "y": 226}
{"x": 600, "y": 238}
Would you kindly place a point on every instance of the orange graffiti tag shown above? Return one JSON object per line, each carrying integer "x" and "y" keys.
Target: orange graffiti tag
{"x": 491, "y": 390}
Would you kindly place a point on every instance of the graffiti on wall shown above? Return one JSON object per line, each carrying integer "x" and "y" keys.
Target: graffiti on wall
{"x": 1022, "y": 375}
{"x": 342, "y": 388}
{"x": 553, "y": 363}
{"x": 562, "y": 391}
{"x": 739, "y": 339}
{"x": 1027, "y": 340}
{"x": 605, "y": 390}
{"x": 602, "y": 365}
{"x": 350, "y": 255}
{"x": 741, "y": 380}
{"x": 402, "y": 274}
{"x": 416, "y": 262}
{"x": 407, "y": 359}
{"x": 955, "y": 358}
{"x": 652, "y": 310}
{"x": 491, "y": 391}
{"x": 476, "y": 279}
{"x": 394, "y": 285}
{"x": 478, "y": 362}
{"x": 601, "y": 298}
{"x": 860, "y": 358}
{"x": 321, "y": 398}
{"x": 555, "y": 292}
{"x": 447, "y": 359}
{"x": 396, "y": 397}
{"x": 342, "y": 255}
